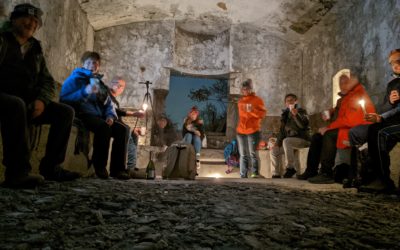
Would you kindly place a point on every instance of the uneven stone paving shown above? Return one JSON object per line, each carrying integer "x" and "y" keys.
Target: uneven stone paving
{"x": 204, "y": 214}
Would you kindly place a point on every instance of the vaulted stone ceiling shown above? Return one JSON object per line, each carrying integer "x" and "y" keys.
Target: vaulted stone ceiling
{"x": 291, "y": 18}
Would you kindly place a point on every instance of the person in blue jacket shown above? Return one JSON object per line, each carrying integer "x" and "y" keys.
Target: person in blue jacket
{"x": 85, "y": 91}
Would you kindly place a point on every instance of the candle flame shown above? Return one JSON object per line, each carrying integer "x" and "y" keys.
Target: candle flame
{"x": 362, "y": 102}
{"x": 145, "y": 106}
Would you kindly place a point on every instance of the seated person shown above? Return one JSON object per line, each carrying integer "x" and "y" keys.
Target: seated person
{"x": 293, "y": 134}
{"x": 27, "y": 90}
{"x": 193, "y": 130}
{"x": 383, "y": 134}
{"x": 164, "y": 133}
{"x": 350, "y": 114}
{"x": 116, "y": 88}
{"x": 85, "y": 91}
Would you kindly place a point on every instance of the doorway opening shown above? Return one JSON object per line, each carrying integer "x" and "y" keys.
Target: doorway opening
{"x": 208, "y": 93}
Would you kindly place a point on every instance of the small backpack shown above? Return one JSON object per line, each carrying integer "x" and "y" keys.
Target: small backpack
{"x": 231, "y": 154}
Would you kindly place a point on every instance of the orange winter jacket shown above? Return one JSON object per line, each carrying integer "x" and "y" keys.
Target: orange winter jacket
{"x": 250, "y": 122}
{"x": 351, "y": 114}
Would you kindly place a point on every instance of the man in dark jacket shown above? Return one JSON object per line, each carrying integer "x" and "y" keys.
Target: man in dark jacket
{"x": 293, "y": 134}
{"x": 384, "y": 133}
{"x": 26, "y": 93}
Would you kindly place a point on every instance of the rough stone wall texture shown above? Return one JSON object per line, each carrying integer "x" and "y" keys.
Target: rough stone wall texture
{"x": 201, "y": 54}
{"x": 358, "y": 38}
{"x": 127, "y": 48}
{"x": 65, "y": 34}
{"x": 272, "y": 64}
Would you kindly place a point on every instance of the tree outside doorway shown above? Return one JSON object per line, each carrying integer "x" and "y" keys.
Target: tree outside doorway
{"x": 209, "y": 95}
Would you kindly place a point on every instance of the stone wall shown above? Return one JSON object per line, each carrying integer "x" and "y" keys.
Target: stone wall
{"x": 358, "y": 38}
{"x": 239, "y": 52}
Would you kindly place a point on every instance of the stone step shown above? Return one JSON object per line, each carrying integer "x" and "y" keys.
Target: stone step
{"x": 216, "y": 171}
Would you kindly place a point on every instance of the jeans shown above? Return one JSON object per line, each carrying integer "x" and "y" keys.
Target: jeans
{"x": 358, "y": 135}
{"x": 132, "y": 150}
{"x": 289, "y": 145}
{"x": 382, "y": 137}
{"x": 193, "y": 139}
{"x": 247, "y": 150}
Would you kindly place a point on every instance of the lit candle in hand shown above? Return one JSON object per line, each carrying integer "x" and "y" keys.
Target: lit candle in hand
{"x": 362, "y": 104}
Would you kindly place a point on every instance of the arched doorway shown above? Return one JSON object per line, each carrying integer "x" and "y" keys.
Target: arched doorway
{"x": 335, "y": 84}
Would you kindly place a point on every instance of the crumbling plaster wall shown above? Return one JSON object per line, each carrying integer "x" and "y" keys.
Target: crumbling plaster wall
{"x": 201, "y": 54}
{"x": 358, "y": 38}
{"x": 65, "y": 35}
{"x": 271, "y": 62}
{"x": 127, "y": 48}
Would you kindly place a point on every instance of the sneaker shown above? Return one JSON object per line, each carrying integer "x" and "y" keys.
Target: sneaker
{"x": 121, "y": 175}
{"x": 23, "y": 181}
{"x": 306, "y": 175}
{"x": 322, "y": 178}
{"x": 289, "y": 173}
{"x": 57, "y": 173}
{"x": 198, "y": 156}
{"x": 378, "y": 186}
{"x": 276, "y": 176}
{"x": 228, "y": 171}
{"x": 102, "y": 173}
{"x": 254, "y": 175}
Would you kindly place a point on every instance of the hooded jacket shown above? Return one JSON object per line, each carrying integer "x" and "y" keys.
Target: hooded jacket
{"x": 34, "y": 81}
{"x": 350, "y": 113}
{"x": 73, "y": 92}
{"x": 250, "y": 122}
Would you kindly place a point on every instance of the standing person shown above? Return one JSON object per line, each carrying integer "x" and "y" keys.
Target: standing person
{"x": 26, "y": 92}
{"x": 293, "y": 134}
{"x": 87, "y": 93}
{"x": 251, "y": 112}
{"x": 116, "y": 88}
{"x": 384, "y": 133}
{"x": 336, "y": 134}
{"x": 193, "y": 130}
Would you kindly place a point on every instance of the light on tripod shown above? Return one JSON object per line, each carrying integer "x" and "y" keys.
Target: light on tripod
{"x": 145, "y": 106}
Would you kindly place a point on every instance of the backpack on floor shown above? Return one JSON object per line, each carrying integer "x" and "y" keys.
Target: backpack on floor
{"x": 181, "y": 161}
{"x": 231, "y": 154}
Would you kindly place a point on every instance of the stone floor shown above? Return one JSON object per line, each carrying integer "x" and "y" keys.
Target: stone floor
{"x": 203, "y": 214}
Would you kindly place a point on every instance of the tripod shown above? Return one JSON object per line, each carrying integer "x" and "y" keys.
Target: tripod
{"x": 146, "y": 100}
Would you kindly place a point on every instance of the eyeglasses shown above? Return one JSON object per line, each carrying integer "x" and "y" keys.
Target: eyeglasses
{"x": 395, "y": 62}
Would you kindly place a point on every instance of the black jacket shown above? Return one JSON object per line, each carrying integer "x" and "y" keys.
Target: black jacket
{"x": 294, "y": 126}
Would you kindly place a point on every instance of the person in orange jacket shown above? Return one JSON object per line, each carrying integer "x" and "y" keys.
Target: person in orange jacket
{"x": 336, "y": 134}
{"x": 251, "y": 112}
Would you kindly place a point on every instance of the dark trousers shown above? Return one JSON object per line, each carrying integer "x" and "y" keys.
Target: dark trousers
{"x": 382, "y": 137}
{"x": 322, "y": 150}
{"x": 14, "y": 122}
{"x": 101, "y": 142}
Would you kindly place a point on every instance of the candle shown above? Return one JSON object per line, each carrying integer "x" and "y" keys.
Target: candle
{"x": 362, "y": 104}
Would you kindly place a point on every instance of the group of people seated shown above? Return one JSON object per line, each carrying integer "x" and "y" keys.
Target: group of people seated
{"x": 353, "y": 125}
{"x": 27, "y": 97}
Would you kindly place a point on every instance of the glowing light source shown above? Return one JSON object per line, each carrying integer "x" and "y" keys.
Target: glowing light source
{"x": 145, "y": 106}
{"x": 216, "y": 175}
{"x": 362, "y": 104}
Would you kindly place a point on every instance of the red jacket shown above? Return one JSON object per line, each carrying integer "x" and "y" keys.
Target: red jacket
{"x": 350, "y": 113}
{"x": 250, "y": 122}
